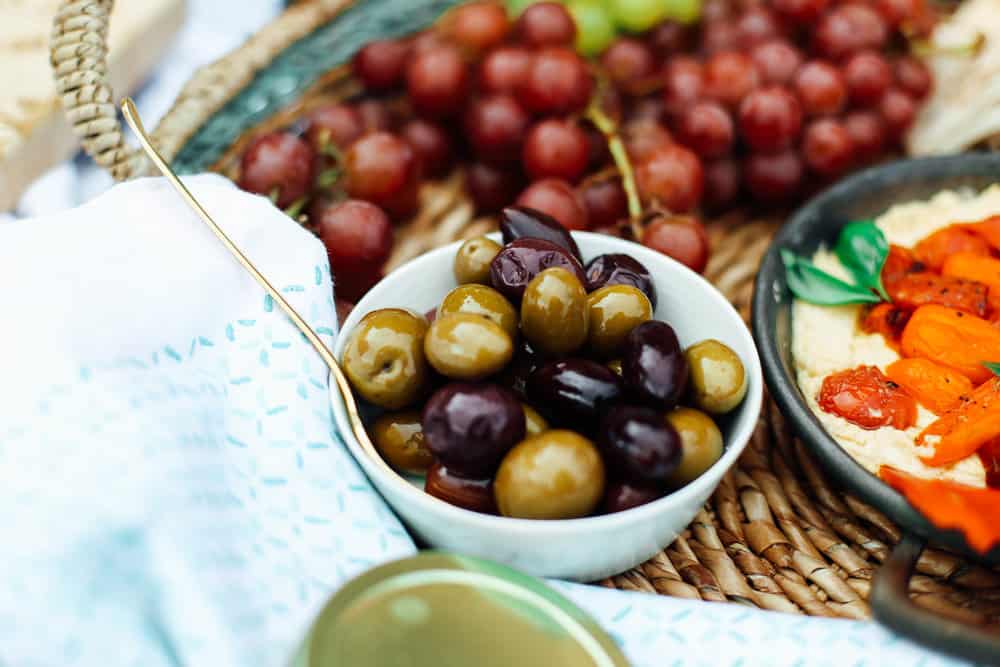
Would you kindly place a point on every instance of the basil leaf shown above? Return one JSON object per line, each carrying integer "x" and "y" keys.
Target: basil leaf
{"x": 862, "y": 249}
{"x": 815, "y": 286}
{"x": 993, "y": 366}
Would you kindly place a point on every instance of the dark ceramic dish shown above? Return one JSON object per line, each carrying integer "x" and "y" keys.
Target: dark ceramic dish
{"x": 865, "y": 195}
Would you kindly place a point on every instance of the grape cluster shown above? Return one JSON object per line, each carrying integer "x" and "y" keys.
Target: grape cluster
{"x": 759, "y": 100}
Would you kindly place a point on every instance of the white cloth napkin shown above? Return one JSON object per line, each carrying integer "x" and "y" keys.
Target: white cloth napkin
{"x": 172, "y": 491}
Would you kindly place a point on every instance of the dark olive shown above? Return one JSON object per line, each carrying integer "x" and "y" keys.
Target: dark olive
{"x": 525, "y": 362}
{"x": 639, "y": 444}
{"x": 618, "y": 269}
{"x": 718, "y": 378}
{"x": 653, "y": 366}
{"x": 555, "y": 475}
{"x": 384, "y": 358}
{"x": 472, "y": 261}
{"x": 431, "y": 315}
{"x": 464, "y": 346}
{"x": 621, "y": 496}
{"x": 470, "y": 494}
{"x": 521, "y": 260}
{"x": 481, "y": 300}
{"x": 554, "y": 312}
{"x": 612, "y": 312}
{"x": 574, "y": 392}
{"x": 399, "y": 438}
{"x": 469, "y": 427}
{"x": 520, "y": 222}
{"x": 701, "y": 444}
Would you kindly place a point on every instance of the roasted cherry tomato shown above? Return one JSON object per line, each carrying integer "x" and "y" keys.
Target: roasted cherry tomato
{"x": 936, "y": 248}
{"x": 867, "y": 398}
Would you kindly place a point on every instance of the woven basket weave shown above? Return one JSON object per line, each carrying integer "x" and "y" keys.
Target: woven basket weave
{"x": 776, "y": 534}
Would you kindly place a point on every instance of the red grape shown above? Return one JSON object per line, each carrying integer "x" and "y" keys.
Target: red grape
{"x": 436, "y": 81}
{"x": 668, "y": 38}
{"x": 598, "y": 154}
{"x": 777, "y": 60}
{"x": 647, "y": 108}
{"x": 849, "y": 28}
{"x": 827, "y": 147}
{"x": 375, "y": 117}
{"x": 683, "y": 83}
{"x": 491, "y": 188}
{"x": 557, "y": 82}
{"x": 643, "y": 137}
{"x": 431, "y": 144}
{"x": 495, "y": 127}
{"x": 821, "y": 88}
{"x": 682, "y": 237}
{"x": 718, "y": 36}
{"x": 898, "y": 110}
{"x": 707, "y": 129}
{"x": 770, "y": 118}
{"x": 628, "y": 62}
{"x": 358, "y": 240}
{"x": 757, "y": 24}
{"x": 555, "y": 148}
{"x": 868, "y": 76}
{"x": 503, "y": 69}
{"x": 605, "y": 202}
{"x": 894, "y": 12}
{"x": 800, "y": 11}
{"x": 558, "y": 199}
{"x": 477, "y": 26}
{"x": 729, "y": 76}
{"x": 722, "y": 183}
{"x": 383, "y": 169}
{"x": 336, "y": 124}
{"x": 381, "y": 64}
{"x": 867, "y": 131}
{"x": 546, "y": 24}
{"x": 774, "y": 176}
{"x": 913, "y": 77}
{"x": 278, "y": 164}
{"x": 671, "y": 176}
{"x": 716, "y": 10}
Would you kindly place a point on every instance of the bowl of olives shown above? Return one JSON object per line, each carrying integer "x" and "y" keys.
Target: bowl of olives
{"x": 561, "y": 403}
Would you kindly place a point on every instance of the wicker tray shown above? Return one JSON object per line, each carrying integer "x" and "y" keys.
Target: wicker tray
{"x": 776, "y": 534}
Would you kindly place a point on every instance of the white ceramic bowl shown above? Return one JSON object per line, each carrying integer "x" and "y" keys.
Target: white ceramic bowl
{"x": 582, "y": 549}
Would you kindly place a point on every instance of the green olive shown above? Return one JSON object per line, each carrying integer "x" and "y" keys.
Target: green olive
{"x": 554, "y": 312}
{"x": 463, "y": 346}
{"x": 701, "y": 444}
{"x": 384, "y": 359}
{"x": 534, "y": 423}
{"x": 399, "y": 438}
{"x": 616, "y": 366}
{"x": 718, "y": 378}
{"x": 481, "y": 300}
{"x": 473, "y": 259}
{"x": 555, "y": 475}
{"x": 613, "y": 311}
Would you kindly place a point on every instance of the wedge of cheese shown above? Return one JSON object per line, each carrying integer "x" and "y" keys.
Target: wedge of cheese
{"x": 34, "y": 135}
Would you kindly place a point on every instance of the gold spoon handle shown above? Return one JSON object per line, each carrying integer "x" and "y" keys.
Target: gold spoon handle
{"x": 132, "y": 118}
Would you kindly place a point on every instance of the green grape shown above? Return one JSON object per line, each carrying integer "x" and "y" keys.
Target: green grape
{"x": 637, "y": 15}
{"x": 594, "y": 28}
{"x": 684, "y": 11}
{"x": 515, "y": 7}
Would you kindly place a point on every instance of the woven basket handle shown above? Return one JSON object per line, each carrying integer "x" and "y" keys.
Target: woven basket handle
{"x": 79, "y": 57}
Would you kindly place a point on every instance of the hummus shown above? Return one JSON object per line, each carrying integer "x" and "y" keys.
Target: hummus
{"x": 827, "y": 339}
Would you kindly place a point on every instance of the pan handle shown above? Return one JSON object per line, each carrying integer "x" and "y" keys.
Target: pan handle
{"x": 893, "y": 607}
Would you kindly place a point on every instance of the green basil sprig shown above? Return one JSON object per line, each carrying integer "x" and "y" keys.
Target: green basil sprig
{"x": 993, "y": 366}
{"x": 862, "y": 249}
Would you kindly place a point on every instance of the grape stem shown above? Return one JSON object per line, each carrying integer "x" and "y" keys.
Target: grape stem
{"x": 616, "y": 146}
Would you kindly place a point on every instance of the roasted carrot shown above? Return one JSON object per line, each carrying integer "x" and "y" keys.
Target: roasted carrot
{"x": 985, "y": 270}
{"x": 952, "y": 338}
{"x": 936, "y": 387}
{"x": 939, "y": 246}
{"x": 920, "y": 289}
{"x": 948, "y": 504}
{"x": 988, "y": 229}
{"x": 962, "y": 430}
{"x": 899, "y": 263}
{"x": 888, "y": 320}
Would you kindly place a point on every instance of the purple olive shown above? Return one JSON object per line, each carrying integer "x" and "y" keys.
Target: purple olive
{"x": 520, "y": 222}
{"x": 618, "y": 269}
{"x": 574, "y": 392}
{"x": 639, "y": 444}
{"x": 470, "y": 494}
{"x": 653, "y": 365}
{"x": 469, "y": 427}
{"x": 525, "y": 362}
{"x": 621, "y": 496}
{"x": 521, "y": 260}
